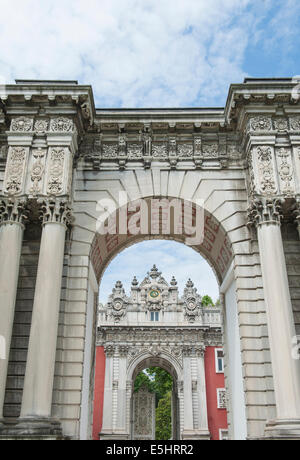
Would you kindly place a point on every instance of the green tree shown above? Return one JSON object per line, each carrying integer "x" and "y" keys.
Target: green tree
{"x": 164, "y": 418}
{"x": 207, "y": 301}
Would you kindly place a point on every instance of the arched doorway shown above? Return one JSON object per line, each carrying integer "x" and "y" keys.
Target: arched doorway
{"x": 145, "y": 405}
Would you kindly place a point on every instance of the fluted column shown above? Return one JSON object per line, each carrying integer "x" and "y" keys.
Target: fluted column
{"x": 38, "y": 386}
{"x": 11, "y": 236}
{"x": 286, "y": 370}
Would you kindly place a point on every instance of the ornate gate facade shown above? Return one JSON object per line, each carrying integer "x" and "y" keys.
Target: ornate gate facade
{"x": 59, "y": 157}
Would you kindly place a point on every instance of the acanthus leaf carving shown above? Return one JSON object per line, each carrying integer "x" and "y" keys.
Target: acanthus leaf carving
{"x": 37, "y": 171}
{"x": 266, "y": 171}
{"x": 56, "y": 210}
{"x": 13, "y": 210}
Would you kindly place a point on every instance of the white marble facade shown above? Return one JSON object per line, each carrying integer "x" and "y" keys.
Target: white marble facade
{"x": 59, "y": 156}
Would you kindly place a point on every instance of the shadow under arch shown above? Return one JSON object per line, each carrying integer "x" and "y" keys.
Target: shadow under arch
{"x": 216, "y": 246}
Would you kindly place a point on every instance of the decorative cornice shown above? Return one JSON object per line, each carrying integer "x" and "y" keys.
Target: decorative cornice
{"x": 13, "y": 210}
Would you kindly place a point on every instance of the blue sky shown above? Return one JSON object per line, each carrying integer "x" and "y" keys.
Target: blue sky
{"x": 171, "y": 258}
{"x": 155, "y": 53}
{"x": 151, "y": 53}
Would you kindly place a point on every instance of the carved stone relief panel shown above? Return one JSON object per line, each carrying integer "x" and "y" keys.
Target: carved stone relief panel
{"x": 59, "y": 171}
{"x": 264, "y": 170}
{"x": 15, "y": 170}
{"x": 285, "y": 171}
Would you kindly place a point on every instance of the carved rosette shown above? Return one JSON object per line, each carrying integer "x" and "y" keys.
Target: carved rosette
{"x": 13, "y": 210}
{"x": 62, "y": 125}
{"x": 261, "y": 124}
{"x": 15, "y": 170}
{"x": 265, "y": 211}
{"x": 21, "y": 125}
{"x": 54, "y": 210}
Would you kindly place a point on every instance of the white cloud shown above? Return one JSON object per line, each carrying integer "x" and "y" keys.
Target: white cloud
{"x": 139, "y": 52}
{"x": 133, "y": 52}
{"x": 171, "y": 258}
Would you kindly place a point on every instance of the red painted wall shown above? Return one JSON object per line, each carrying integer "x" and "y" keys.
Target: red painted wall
{"x": 217, "y": 418}
{"x": 98, "y": 392}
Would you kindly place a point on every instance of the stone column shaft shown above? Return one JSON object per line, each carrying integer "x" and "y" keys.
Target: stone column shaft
{"x": 201, "y": 390}
{"x": 11, "y": 237}
{"x": 39, "y": 377}
{"x": 281, "y": 325}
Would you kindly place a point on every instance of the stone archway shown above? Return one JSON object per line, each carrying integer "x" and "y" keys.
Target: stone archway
{"x": 166, "y": 363}
{"x": 59, "y": 155}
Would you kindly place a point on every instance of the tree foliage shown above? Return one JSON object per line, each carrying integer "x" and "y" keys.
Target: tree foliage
{"x": 207, "y": 301}
{"x": 164, "y": 418}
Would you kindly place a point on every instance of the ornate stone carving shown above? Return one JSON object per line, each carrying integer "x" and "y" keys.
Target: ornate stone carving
{"x": 37, "y": 171}
{"x": 21, "y": 124}
{"x": 285, "y": 170}
{"x": 261, "y": 124}
{"x": 41, "y": 126}
{"x": 144, "y": 410}
{"x": 266, "y": 171}
{"x": 55, "y": 210}
{"x": 192, "y": 301}
{"x": 295, "y": 123}
{"x": 265, "y": 211}
{"x": 281, "y": 124}
{"x": 56, "y": 171}
{"x": 13, "y": 210}
{"x": 117, "y": 303}
{"x": 210, "y": 150}
{"x": 15, "y": 170}
{"x": 109, "y": 350}
{"x": 185, "y": 150}
{"x": 160, "y": 150}
{"x": 109, "y": 151}
{"x": 135, "y": 151}
{"x": 61, "y": 125}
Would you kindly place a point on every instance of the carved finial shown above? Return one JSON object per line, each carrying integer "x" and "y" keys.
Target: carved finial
{"x": 119, "y": 285}
{"x": 154, "y": 273}
{"x": 190, "y": 284}
{"x": 173, "y": 281}
{"x": 135, "y": 281}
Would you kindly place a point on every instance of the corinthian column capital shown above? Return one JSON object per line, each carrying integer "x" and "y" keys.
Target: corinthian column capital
{"x": 265, "y": 211}
{"x": 13, "y": 210}
{"x": 56, "y": 210}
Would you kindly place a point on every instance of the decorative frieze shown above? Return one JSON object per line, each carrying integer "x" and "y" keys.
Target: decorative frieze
{"x": 13, "y": 210}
